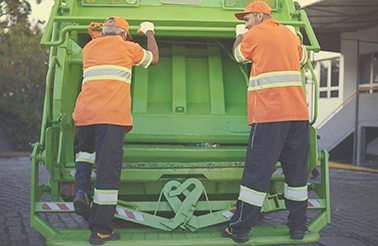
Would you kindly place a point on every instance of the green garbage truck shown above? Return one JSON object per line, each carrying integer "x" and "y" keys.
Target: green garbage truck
{"x": 184, "y": 158}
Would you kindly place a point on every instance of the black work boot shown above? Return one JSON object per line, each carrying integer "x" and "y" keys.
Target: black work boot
{"x": 297, "y": 234}
{"x": 239, "y": 238}
{"x": 99, "y": 238}
{"x": 82, "y": 204}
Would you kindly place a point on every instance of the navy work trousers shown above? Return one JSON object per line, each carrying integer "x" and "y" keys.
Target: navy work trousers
{"x": 286, "y": 142}
{"x": 107, "y": 141}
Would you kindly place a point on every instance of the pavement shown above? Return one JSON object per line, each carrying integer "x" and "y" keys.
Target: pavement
{"x": 354, "y": 209}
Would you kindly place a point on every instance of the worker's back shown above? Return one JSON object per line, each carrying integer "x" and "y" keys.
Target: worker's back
{"x": 275, "y": 91}
{"x": 107, "y": 100}
{"x": 274, "y": 48}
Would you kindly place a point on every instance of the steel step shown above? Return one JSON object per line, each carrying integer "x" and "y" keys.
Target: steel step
{"x": 260, "y": 235}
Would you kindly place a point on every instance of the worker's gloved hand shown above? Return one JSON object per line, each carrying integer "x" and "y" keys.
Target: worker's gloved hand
{"x": 240, "y": 29}
{"x": 146, "y": 26}
{"x": 94, "y": 34}
{"x": 292, "y": 29}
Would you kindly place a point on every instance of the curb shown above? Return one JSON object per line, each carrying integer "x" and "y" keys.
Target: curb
{"x": 344, "y": 166}
{"x": 15, "y": 154}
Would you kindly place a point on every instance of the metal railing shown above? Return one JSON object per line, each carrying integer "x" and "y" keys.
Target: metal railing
{"x": 337, "y": 109}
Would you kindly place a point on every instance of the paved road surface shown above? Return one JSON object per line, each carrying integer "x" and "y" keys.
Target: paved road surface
{"x": 354, "y": 208}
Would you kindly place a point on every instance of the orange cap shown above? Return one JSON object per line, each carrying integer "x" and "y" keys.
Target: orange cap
{"x": 256, "y": 6}
{"x": 120, "y": 22}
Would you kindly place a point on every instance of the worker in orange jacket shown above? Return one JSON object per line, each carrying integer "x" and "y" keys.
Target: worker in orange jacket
{"x": 102, "y": 117}
{"x": 278, "y": 115}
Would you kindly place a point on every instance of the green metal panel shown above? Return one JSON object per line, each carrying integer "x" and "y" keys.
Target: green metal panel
{"x": 267, "y": 235}
{"x": 178, "y": 79}
{"x": 184, "y": 158}
{"x": 313, "y": 153}
{"x": 216, "y": 80}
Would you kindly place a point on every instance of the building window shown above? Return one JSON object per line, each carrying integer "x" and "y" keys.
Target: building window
{"x": 369, "y": 72}
{"x": 323, "y": 94}
{"x": 365, "y": 65}
{"x": 375, "y": 68}
{"x": 335, "y": 94}
{"x": 323, "y": 73}
{"x": 335, "y": 63}
{"x": 329, "y": 78}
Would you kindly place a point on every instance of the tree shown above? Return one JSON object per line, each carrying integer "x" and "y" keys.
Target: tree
{"x": 14, "y": 13}
{"x": 23, "y": 71}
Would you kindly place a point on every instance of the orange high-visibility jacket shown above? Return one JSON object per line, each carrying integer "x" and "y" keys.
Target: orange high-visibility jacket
{"x": 275, "y": 89}
{"x": 105, "y": 96}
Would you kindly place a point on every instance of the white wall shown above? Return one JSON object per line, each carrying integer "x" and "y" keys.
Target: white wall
{"x": 326, "y": 109}
{"x": 348, "y": 66}
{"x": 325, "y": 105}
{"x": 349, "y": 48}
{"x": 370, "y": 36}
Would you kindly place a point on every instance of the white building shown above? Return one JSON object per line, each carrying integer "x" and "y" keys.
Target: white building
{"x": 348, "y": 79}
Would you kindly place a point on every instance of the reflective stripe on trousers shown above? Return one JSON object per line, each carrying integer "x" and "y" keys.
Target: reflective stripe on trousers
{"x": 105, "y": 197}
{"x": 251, "y": 196}
{"x": 86, "y": 157}
{"x": 295, "y": 193}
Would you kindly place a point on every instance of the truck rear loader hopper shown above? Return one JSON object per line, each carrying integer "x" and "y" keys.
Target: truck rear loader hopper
{"x": 184, "y": 158}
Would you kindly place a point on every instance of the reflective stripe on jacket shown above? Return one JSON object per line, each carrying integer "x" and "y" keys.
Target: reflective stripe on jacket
{"x": 275, "y": 90}
{"x": 105, "y": 94}
{"x": 107, "y": 72}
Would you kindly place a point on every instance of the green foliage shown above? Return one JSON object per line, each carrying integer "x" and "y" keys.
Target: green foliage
{"x": 22, "y": 83}
{"x": 14, "y": 13}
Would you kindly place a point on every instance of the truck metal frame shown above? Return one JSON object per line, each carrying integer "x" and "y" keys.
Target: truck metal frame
{"x": 184, "y": 158}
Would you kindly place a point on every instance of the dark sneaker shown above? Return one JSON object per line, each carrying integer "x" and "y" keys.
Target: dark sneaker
{"x": 297, "y": 234}
{"x": 99, "y": 238}
{"x": 242, "y": 238}
{"x": 82, "y": 204}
